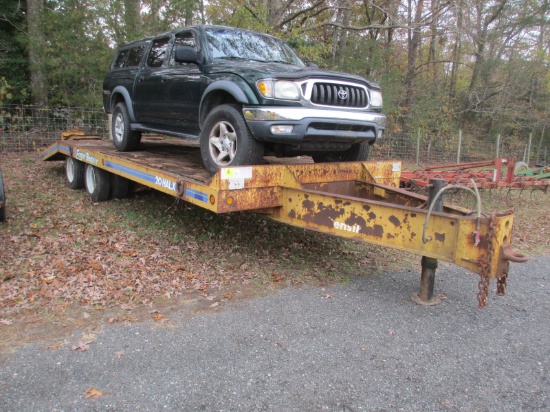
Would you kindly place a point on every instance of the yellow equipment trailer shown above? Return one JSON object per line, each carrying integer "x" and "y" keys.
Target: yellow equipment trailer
{"x": 357, "y": 200}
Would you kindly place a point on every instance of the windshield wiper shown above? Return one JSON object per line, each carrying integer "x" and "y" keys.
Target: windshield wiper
{"x": 231, "y": 58}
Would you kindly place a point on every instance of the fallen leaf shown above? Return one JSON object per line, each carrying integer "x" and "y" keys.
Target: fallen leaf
{"x": 327, "y": 296}
{"x": 119, "y": 355}
{"x": 6, "y": 322}
{"x": 92, "y": 393}
{"x": 82, "y": 346}
{"x": 158, "y": 316}
{"x": 213, "y": 305}
{"x": 275, "y": 277}
{"x": 55, "y": 346}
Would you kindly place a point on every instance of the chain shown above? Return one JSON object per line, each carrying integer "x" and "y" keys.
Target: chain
{"x": 483, "y": 285}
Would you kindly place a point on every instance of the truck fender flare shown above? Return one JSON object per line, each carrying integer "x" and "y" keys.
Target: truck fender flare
{"x": 227, "y": 86}
{"x": 127, "y": 99}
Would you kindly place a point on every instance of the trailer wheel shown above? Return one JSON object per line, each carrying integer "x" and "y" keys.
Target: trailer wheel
{"x": 2, "y": 199}
{"x": 97, "y": 183}
{"x": 124, "y": 138}
{"x": 74, "y": 171}
{"x": 356, "y": 153}
{"x": 226, "y": 141}
{"x": 120, "y": 187}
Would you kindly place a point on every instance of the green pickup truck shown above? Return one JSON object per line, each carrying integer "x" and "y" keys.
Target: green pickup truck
{"x": 243, "y": 95}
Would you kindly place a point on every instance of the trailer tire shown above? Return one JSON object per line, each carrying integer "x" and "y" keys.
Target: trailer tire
{"x": 2, "y": 199}
{"x": 120, "y": 187}
{"x": 226, "y": 141}
{"x": 358, "y": 152}
{"x": 97, "y": 183}
{"x": 74, "y": 172}
{"x": 124, "y": 138}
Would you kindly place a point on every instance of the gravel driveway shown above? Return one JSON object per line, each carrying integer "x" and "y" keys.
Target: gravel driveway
{"x": 361, "y": 346}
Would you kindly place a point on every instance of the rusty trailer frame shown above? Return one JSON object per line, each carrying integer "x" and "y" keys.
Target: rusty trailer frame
{"x": 355, "y": 200}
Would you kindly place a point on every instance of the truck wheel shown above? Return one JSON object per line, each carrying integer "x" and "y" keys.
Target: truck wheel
{"x": 97, "y": 183}
{"x": 356, "y": 153}
{"x": 124, "y": 138}
{"x": 74, "y": 171}
{"x": 226, "y": 141}
{"x": 2, "y": 199}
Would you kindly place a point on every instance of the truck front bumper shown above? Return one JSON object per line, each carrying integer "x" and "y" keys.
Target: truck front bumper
{"x": 294, "y": 125}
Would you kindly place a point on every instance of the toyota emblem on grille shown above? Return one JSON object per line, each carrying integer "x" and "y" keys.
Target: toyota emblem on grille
{"x": 342, "y": 94}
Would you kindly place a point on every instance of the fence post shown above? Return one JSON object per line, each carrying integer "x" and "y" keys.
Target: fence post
{"x": 418, "y": 146}
{"x": 529, "y": 148}
{"x": 459, "y": 146}
{"x": 498, "y": 146}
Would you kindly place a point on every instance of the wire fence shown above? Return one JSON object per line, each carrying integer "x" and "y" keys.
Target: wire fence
{"x": 31, "y": 128}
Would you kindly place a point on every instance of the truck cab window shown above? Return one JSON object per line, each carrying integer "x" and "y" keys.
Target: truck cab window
{"x": 157, "y": 54}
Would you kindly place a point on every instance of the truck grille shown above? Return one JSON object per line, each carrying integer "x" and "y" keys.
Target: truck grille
{"x": 340, "y": 95}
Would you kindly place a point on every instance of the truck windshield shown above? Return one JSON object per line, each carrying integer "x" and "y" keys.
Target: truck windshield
{"x": 240, "y": 44}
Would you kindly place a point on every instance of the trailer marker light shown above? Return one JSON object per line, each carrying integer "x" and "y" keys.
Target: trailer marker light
{"x": 230, "y": 201}
{"x": 212, "y": 199}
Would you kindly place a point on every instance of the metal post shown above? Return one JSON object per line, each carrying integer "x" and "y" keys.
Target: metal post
{"x": 459, "y": 146}
{"x": 498, "y": 146}
{"x": 427, "y": 277}
{"x": 529, "y": 148}
{"x": 418, "y": 146}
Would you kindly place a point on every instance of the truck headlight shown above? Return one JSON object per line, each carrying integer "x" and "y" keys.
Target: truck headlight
{"x": 278, "y": 89}
{"x": 376, "y": 99}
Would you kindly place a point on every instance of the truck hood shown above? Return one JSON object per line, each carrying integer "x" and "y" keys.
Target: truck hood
{"x": 252, "y": 71}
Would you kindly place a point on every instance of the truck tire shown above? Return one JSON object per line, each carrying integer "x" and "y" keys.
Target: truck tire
{"x": 2, "y": 199}
{"x": 97, "y": 183}
{"x": 226, "y": 141}
{"x": 74, "y": 172}
{"x": 356, "y": 153}
{"x": 124, "y": 138}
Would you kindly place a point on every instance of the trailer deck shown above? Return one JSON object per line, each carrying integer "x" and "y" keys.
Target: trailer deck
{"x": 356, "y": 200}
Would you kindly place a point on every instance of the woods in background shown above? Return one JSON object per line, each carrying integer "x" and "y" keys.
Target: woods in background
{"x": 482, "y": 66}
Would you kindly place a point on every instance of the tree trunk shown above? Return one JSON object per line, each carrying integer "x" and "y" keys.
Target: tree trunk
{"x": 414, "y": 44}
{"x": 132, "y": 19}
{"x": 38, "y": 79}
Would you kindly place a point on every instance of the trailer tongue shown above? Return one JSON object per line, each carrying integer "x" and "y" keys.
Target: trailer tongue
{"x": 358, "y": 200}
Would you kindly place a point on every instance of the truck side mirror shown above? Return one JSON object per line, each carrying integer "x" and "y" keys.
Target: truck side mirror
{"x": 312, "y": 65}
{"x": 186, "y": 54}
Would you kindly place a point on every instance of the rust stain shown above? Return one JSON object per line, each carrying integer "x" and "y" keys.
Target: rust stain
{"x": 396, "y": 222}
{"x": 413, "y": 235}
{"x": 372, "y": 216}
{"x": 440, "y": 237}
{"x": 323, "y": 215}
{"x": 289, "y": 200}
{"x": 338, "y": 202}
{"x": 390, "y": 236}
{"x": 347, "y": 203}
{"x": 355, "y": 219}
{"x": 413, "y": 214}
{"x": 366, "y": 208}
{"x": 375, "y": 231}
{"x": 292, "y": 214}
{"x": 452, "y": 222}
{"x": 308, "y": 204}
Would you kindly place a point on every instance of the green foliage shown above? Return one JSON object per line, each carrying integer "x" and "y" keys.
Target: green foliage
{"x": 14, "y": 81}
{"x": 77, "y": 54}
